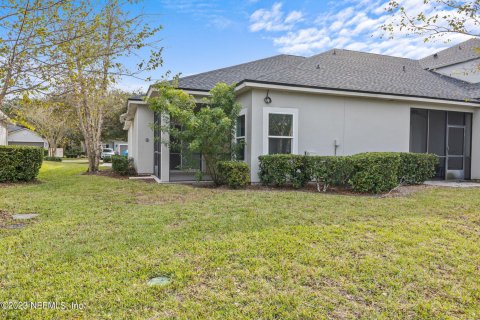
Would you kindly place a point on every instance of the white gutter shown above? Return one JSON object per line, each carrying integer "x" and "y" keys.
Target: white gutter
{"x": 247, "y": 84}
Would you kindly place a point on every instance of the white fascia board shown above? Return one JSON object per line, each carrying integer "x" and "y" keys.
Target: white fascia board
{"x": 334, "y": 92}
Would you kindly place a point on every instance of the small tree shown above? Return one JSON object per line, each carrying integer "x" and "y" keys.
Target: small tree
{"x": 208, "y": 130}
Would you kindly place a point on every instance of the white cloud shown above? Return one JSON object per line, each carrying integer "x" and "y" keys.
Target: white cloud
{"x": 355, "y": 27}
{"x": 273, "y": 19}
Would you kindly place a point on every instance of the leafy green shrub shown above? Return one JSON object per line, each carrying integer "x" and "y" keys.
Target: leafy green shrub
{"x": 107, "y": 159}
{"x": 234, "y": 174}
{"x": 375, "y": 172}
{"x": 122, "y": 165}
{"x": 416, "y": 168}
{"x": 19, "y": 163}
{"x": 282, "y": 169}
{"x": 72, "y": 153}
{"x": 56, "y": 159}
{"x": 330, "y": 170}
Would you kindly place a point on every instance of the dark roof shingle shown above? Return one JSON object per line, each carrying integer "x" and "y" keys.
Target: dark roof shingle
{"x": 465, "y": 51}
{"x": 341, "y": 69}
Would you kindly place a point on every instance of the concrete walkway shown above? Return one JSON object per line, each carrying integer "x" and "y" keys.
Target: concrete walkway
{"x": 453, "y": 184}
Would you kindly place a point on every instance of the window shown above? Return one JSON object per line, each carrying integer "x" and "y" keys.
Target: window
{"x": 240, "y": 137}
{"x": 280, "y": 129}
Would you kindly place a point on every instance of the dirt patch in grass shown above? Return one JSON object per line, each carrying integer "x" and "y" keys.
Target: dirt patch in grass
{"x": 173, "y": 197}
{"x": 106, "y": 173}
{"x": 7, "y": 222}
{"x": 405, "y": 191}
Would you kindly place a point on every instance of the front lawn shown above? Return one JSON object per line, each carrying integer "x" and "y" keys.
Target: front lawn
{"x": 236, "y": 254}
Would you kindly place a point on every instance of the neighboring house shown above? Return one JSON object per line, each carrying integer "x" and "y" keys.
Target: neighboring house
{"x": 118, "y": 146}
{"x": 4, "y": 120}
{"x": 20, "y": 136}
{"x": 339, "y": 102}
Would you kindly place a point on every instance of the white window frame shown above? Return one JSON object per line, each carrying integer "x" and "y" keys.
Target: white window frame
{"x": 266, "y": 114}
{"x": 243, "y": 112}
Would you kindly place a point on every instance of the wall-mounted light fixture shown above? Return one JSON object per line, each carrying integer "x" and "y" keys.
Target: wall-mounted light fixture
{"x": 267, "y": 99}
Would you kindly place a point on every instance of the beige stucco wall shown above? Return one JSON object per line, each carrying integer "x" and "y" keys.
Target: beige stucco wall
{"x": 3, "y": 134}
{"x": 466, "y": 71}
{"x": 141, "y": 143}
{"x": 356, "y": 124}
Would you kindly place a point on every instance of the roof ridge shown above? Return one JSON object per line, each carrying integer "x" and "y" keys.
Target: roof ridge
{"x": 364, "y": 52}
{"x": 242, "y": 64}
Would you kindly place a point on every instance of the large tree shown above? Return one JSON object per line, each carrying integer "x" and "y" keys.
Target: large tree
{"x": 28, "y": 42}
{"x": 94, "y": 62}
{"x": 434, "y": 18}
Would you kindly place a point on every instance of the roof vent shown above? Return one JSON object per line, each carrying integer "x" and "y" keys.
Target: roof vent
{"x": 404, "y": 69}
{"x": 435, "y": 56}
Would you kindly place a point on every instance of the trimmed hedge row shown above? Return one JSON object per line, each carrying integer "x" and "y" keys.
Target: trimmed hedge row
{"x": 19, "y": 163}
{"x": 373, "y": 172}
{"x": 234, "y": 174}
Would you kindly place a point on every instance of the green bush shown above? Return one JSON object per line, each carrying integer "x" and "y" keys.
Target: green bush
{"x": 122, "y": 165}
{"x": 372, "y": 172}
{"x": 72, "y": 153}
{"x": 107, "y": 159}
{"x": 234, "y": 174}
{"x": 56, "y": 159}
{"x": 19, "y": 163}
{"x": 330, "y": 171}
{"x": 416, "y": 168}
{"x": 375, "y": 172}
{"x": 283, "y": 169}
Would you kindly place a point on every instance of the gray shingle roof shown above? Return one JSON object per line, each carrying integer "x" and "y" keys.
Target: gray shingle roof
{"x": 250, "y": 70}
{"x": 345, "y": 70}
{"x": 464, "y": 51}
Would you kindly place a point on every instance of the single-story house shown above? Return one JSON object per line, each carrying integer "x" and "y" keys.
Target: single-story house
{"x": 21, "y": 136}
{"x": 4, "y": 120}
{"x": 339, "y": 102}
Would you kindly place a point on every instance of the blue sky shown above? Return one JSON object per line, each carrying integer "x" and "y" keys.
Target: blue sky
{"x": 202, "y": 35}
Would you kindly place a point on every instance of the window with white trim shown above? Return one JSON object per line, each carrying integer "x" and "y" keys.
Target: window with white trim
{"x": 280, "y": 133}
{"x": 240, "y": 136}
{"x": 280, "y": 130}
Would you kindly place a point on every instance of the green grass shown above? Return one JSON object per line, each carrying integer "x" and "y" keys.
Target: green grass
{"x": 237, "y": 254}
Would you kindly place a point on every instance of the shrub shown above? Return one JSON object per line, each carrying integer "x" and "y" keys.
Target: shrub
{"x": 416, "y": 168}
{"x": 375, "y": 172}
{"x": 107, "y": 159}
{"x": 282, "y": 169}
{"x": 19, "y": 163}
{"x": 56, "y": 159}
{"x": 234, "y": 174}
{"x": 72, "y": 153}
{"x": 331, "y": 171}
{"x": 122, "y": 165}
